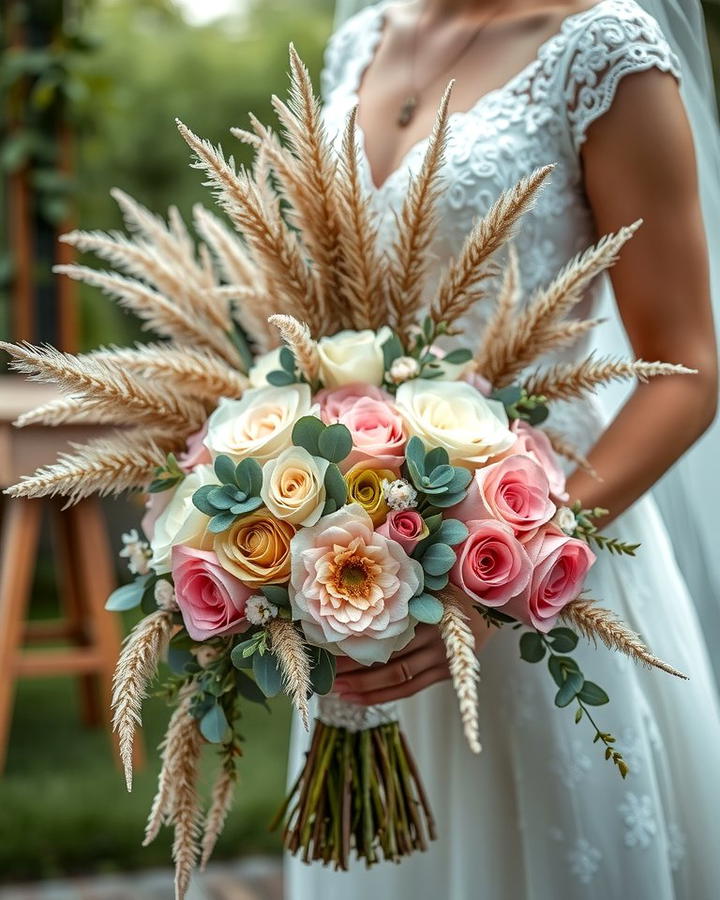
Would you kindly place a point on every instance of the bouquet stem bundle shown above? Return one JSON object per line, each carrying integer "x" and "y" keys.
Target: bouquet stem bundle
{"x": 359, "y": 790}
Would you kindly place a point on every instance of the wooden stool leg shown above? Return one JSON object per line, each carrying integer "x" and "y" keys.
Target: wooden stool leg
{"x": 20, "y": 536}
{"x": 93, "y": 561}
{"x": 71, "y": 597}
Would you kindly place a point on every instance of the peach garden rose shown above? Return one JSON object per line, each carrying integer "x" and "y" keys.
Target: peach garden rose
{"x": 256, "y": 549}
{"x": 350, "y": 587}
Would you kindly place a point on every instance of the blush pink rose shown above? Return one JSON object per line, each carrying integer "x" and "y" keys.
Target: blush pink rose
{"x": 154, "y": 507}
{"x": 406, "y": 526}
{"x": 533, "y": 442}
{"x": 196, "y": 453}
{"x": 211, "y": 600}
{"x": 515, "y": 491}
{"x": 560, "y": 566}
{"x": 480, "y": 383}
{"x": 492, "y": 565}
{"x": 377, "y": 429}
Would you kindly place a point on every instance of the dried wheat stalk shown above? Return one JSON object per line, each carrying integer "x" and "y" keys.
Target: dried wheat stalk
{"x": 275, "y": 248}
{"x": 363, "y": 268}
{"x": 69, "y": 410}
{"x": 417, "y": 221}
{"x": 220, "y": 803}
{"x": 135, "y": 669}
{"x": 459, "y": 287}
{"x": 288, "y": 647}
{"x": 595, "y": 622}
{"x": 103, "y": 466}
{"x": 568, "y": 380}
{"x": 297, "y": 336}
{"x": 533, "y": 332}
{"x": 184, "y": 773}
{"x": 108, "y": 388}
{"x": 464, "y": 666}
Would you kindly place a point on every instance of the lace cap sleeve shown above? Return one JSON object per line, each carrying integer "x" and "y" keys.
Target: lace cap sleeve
{"x": 614, "y": 39}
{"x": 340, "y": 53}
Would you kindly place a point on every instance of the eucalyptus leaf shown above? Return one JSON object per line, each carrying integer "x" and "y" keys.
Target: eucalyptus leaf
{"x": 532, "y": 648}
{"x": 220, "y": 499}
{"x": 445, "y": 501}
{"x": 562, "y": 640}
{"x": 440, "y": 475}
{"x": 280, "y": 378}
{"x": 214, "y": 724}
{"x": 561, "y": 667}
{"x": 238, "y": 655}
{"x": 335, "y": 486}
{"x": 322, "y": 674}
{"x": 248, "y": 689}
{"x": 225, "y": 469}
{"x": 330, "y": 507}
{"x": 287, "y": 360}
{"x": 452, "y": 532}
{"x": 426, "y": 608}
{"x": 415, "y": 454}
{"x": 248, "y": 475}
{"x": 267, "y": 673}
{"x": 569, "y": 689}
{"x": 392, "y": 348}
{"x": 200, "y": 499}
{"x": 435, "y": 582}
{"x": 335, "y": 442}
{"x": 593, "y": 694}
{"x": 128, "y": 596}
{"x": 306, "y": 432}
{"x": 438, "y": 559}
{"x": 148, "y": 603}
{"x": 178, "y": 658}
{"x": 276, "y": 594}
{"x": 438, "y": 456}
{"x": 458, "y": 357}
{"x": 221, "y": 522}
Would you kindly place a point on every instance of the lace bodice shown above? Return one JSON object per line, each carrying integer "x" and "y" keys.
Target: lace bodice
{"x": 540, "y": 116}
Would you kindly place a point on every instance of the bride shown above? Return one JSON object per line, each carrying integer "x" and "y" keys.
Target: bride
{"x": 540, "y": 815}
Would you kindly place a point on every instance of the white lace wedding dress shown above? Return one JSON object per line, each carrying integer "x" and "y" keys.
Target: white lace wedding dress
{"x": 540, "y": 815}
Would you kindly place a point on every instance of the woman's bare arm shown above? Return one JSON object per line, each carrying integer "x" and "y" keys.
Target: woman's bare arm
{"x": 639, "y": 162}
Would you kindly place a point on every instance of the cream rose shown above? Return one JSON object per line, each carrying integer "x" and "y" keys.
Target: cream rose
{"x": 263, "y": 365}
{"x": 351, "y": 356}
{"x": 293, "y": 486}
{"x": 260, "y": 424}
{"x": 453, "y": 415}
{"x": 181, "y": 522}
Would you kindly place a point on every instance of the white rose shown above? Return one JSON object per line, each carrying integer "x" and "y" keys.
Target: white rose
{"x": 263, "y": 365}
{"x": 260, "y": 424}
{"x": 453, "y": 415}
{"x": 181, "y": 522}
{"x": 293, "y": 486}
{"x": 351, "y": 356}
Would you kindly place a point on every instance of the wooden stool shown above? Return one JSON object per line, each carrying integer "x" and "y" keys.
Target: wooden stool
{"x": 84, "y": 564}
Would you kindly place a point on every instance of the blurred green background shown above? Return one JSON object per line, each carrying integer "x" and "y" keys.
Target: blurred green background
{"x": 120, "y": 71}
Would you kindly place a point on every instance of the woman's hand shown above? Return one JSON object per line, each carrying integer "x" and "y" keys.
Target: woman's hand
{"x": 422, "y": 663}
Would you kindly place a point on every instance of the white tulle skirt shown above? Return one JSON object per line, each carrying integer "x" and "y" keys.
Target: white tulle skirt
{"x": 540, "y": 814}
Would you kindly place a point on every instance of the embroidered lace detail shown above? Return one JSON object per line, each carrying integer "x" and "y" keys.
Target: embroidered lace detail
{"x": 584, "y": 860}
{"x": 677, "y": 844}
{"x": 639, "y": 819}
{"x": 331, "y": 710}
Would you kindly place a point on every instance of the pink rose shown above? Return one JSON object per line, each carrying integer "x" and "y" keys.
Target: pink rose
{"x": 480, "y": 383}
{"x": 406, "y": 526}
{"x": 492, "y": 565}
{"x": 196, "y": 454}
{"x": 211, "y": 600}
{"x": 154, "y": 507}
{"x": 535, "y": 443}
{"x": 515, "y": 491}
{"x": 560, "y": 566}
{"x": 376, "y": 427}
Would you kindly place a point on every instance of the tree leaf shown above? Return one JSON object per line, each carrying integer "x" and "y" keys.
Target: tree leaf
{"x": 322, "y": 674}
{"x": 267, "y": 673}
{"x": 426, "y": 608}
{"x": 225, "y": 469}
{"x": 214, "y": 724}
{"x": 335, "y": 442}
{"x": 562, "y": 640}
{"x": 306, "y": 432}
{"x": 438, "y": 559}
{"x": 532, "y": 648}
{"x": 593, "y": 694}
{"x": 128, "y": 596}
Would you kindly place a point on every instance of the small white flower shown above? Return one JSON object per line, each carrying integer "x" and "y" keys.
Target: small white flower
{"x": 164, "y": 594}
{"x": 399, "y": 494}
{"x": 259, "y": 610}
{"x": 565, "y": 520}
{"x": 205, "y": 654}
{"x": 404, "y": 368}
{"x": 137, "y": 552}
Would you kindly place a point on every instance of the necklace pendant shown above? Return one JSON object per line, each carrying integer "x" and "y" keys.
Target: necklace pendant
{"x": 407, "y": 112}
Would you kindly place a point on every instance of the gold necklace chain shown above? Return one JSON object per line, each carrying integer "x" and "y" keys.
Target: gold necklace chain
{"x": 412, "y": 101}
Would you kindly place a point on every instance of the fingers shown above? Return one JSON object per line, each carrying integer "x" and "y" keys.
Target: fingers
{"x": 424, "y": 635}
{"x": 400, "y": 669}
{"x": 401, "y": 691}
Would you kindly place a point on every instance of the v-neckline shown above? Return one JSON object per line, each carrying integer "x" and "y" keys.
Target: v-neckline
{"x": 376, "y": 30}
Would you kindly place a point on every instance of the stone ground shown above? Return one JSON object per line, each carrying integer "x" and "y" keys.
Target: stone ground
{"x": 248, "y": 879}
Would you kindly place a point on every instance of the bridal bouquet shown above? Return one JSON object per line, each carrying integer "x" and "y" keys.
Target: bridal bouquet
{"x": 323, "y": 475}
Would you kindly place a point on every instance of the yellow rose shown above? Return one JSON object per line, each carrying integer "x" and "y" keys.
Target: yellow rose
{"x": 260, "y": 424}
{"x": 351, "y": 356}
{"x": 293, "y": 486}
{"x": 456, "y": 416}
{"x": 256, "y": 549}
{"x": 365, "y": 487}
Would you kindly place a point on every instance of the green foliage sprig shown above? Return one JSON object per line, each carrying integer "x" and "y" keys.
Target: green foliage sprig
{"x": 586, "y": 529}
{"x": 531, "y": 408}
{"x": 167, "y": 476}
{"x": 237, "y": 494}
{"x": 440, "y": 484}
{"x": 332, "y": 443}
{"x": 430, "y": 364}
{"x": 288, "y": 372}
